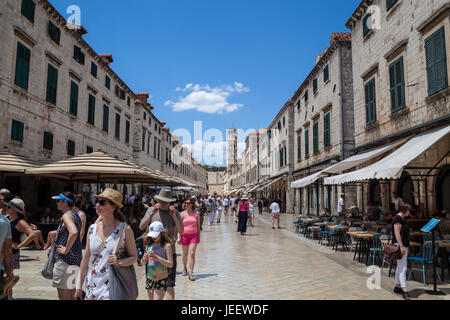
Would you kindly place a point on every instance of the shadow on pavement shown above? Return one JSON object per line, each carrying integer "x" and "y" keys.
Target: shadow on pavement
{"x": 202, "y": 276}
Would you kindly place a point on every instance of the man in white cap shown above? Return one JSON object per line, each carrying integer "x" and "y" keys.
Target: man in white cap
{"x": 172, "y": 222}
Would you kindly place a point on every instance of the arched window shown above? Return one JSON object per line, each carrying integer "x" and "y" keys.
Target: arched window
{"x": 405, "y": 188}
{"x": 375, "y": 191}
{"x": 443, "y": 189}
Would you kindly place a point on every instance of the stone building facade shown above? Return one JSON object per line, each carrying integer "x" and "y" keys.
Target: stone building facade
{"x": 60, "y": 98}
{"x": 216, "y": 183}
{"x": 400, "y": 78}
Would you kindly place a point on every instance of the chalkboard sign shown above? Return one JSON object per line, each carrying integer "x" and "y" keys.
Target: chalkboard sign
{"x": 430, "y": 225}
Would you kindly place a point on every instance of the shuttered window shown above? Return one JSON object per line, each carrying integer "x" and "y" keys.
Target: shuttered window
{"x": 316, "y": 137}
{"x": 397, "y": 83}
{"x": 366, "y": 28}
{"x": 299, "y": 147}
{"x": 105, "y": 118}
{"x": 307, "y": 143}
{"x": 143, "y": 140}
{"x": 70, "y": 148}
{"x": 370, "y": 96}
{"x": 117, "y": 133}
{"x": 108, "y": 82}
{"x": 390, "y": 4}
{"x": 326, "y": 74}
{"x": 17, "y": 131}
{"x": 52, "y": 84}
{"x": 315, "y": 85}
{"x": 127, "y": 132}
{"x": 54, "y": 32}
{"x": 73, "y": 98}
{"x": 306, "y": 96}
{"x": 78, "y": 55}
{"x": 326, "y": 130}
{"x": 28, "y": 8}
{"x": 436, "y": 58}
{"x": 48, "y": 140}
{"x": 91, "y": 109}
{"x": 94, "y": 69}
{"x": 22, "y": 66}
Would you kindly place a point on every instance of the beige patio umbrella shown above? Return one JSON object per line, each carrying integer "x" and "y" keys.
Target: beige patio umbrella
{"x": 165, "y": 179}
{"x": 94, "y": 167}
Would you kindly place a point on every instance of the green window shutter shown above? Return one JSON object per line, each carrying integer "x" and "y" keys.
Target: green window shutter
{"x": 316, "y": 137}
{"x": 117, "y": 133}
{"x": 27, "y": 10}
{"x": 326, "y": 130}
{"x": 91, "y": 110}
{"x": 105, "y": 118}
{"x": 73, "y": 98}
{"x": 22, "y": 66}
{"x": 48, "y": 140}
{"x": 17, "y": 131}
{"x": 370, "y": 102}
{"x": 306, "y": 143}
{"x": 127, "y": 132}
{"x": 326, "y": 74}
{"x": 52, "y": 84}
{"x": 70, "y": 148}
{"x": 299, "y": 147}
{"x": 397, "y": 84}
{"x": 436, "y": 59}
{"x": 315, "y": 85}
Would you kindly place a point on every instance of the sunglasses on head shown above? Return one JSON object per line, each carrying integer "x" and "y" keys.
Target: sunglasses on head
{"x": 103, "y": 202}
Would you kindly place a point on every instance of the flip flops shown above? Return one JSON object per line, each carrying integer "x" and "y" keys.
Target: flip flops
{"x": 7, "y": 285}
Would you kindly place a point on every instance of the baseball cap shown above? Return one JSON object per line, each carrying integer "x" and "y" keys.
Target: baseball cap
{"x": 155, "y": 229}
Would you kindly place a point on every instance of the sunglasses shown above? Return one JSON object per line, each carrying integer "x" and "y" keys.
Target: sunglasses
{"x": 103, "y": 202}
{"x": 187, "y": 203}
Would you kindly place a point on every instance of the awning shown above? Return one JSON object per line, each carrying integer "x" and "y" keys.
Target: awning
{"x": 348, "y": 163}
{"x": 254, "y": 187}
{"x": 271, "y": 182}
{"x": 391, "y": 166}
{"x": 10, "y": 162}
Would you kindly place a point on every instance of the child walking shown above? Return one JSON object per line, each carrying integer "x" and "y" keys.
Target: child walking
{"x": 157, "y": 259}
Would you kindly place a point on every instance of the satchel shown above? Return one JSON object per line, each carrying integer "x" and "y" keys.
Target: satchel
{"x": 47, "y": 271}
{"x": 122, "y": 280}
{"x": 392, "y": 252}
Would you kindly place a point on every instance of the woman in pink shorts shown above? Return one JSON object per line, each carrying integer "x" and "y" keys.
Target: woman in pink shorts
{"x": 191, "y": 236}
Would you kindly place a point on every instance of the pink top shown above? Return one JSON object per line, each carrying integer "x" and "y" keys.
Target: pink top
{"x": 190, "y": 223}
{"x": 243, "y": 206}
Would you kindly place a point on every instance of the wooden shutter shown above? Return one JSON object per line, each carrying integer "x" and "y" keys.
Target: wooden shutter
{"x": 52, "y": 84}
{"x": 117, "y": 125}
{"x": 326, "y": 74}
{"x": 370, "y": 102}
{"x": 105, "y": 118}
{"x": 306, "y": 143}
{"x": 440, "y": 62}
{"x": 91, "y": 109}
{"x": 73, "y": 98}
{"x": 17, "y": 131}
{"x": 315, "y": 85}
{"x": 299, "y": 147}
{"x": 28, "y": 8}
{"x": 326, "y": 130}
{"x": 48, "y": 140}
{"x": 397, "y": 84}
{"x": 316, "y": 137}
{"x": 127, "y": 132}
{"x": 22, "y": 66}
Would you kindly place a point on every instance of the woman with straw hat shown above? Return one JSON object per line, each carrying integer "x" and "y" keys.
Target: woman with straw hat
{"x": 102, "y": 236}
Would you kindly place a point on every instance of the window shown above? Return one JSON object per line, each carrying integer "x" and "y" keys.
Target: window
{"x": 120, "y": 93}
{"x": 390, "y": 4}
{"x": 52, "y": 84}
{"x": 105, "y": 118}
{"x": 371, "y": 115}
{"x": 397, "y": 82}
{"x": 148, "y": 144}
{"x": 299, "y": 147}
{"x": 159, "y": 150}
{"x": 326, "y": 74}
{"x": 108, "y": 82}
{"x": 89, "y": 149}
{"x": 17, "y": 131}
{"x": 306, "y": 142}
{"x": 298, "y": 104}
{"x": 315, "y": 85}
{"x": 94, "y": 69}
{"x": 279, "y": 125}
{"x": 436, "y": 62}
{"x": 366, "y": 28}
{"x": 22, "y": 66}
{"x": 128, "y": 101}
{"x": 54, "y": 32}
{"x": 159, "y": 130}
{"x": 91, "y": 110}
{"x": 145, "y": 116}
{"x": 281, "y": 157}
{"x": 143, "y": 139}
{"x": 154, "y": 148}
{"x": 127, "y": 131}
{"x": 27, "y": 10}
{"x": 156, "y": 129}
{"x": 306, "y": 96}
{"x": 48, "y": 140}
{"x": 326, "y": 130}
{"x": 316, "y": 137}
{"x": 73, "y": 109}
{"x": 284, "y": 121}
{"x": 78, "y": 55}
{"x": 149, "y": 121}
{"x": 117, "y": 133}
{"x": 70, "y": 148}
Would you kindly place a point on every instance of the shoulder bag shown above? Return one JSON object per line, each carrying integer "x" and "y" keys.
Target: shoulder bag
{"x": 391, "y": 251}
{"x": 122, "y": 280}
{"x": 47, "y": 270}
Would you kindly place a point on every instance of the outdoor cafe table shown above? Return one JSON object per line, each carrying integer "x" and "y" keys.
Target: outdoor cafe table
{"x": 362, "y": 245}
{"x": 340, "y": 237}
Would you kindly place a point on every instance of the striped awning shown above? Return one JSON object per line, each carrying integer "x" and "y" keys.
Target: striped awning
{"x": 10, "y": 162}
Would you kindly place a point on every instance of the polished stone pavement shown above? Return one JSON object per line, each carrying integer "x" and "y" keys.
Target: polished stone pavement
{"x": 264, "y": 264}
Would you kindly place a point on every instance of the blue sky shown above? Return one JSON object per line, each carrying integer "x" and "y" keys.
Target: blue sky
{"x": 242, "y": 59}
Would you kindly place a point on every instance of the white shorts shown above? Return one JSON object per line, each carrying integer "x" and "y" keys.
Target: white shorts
{"x": 64, "y": 275}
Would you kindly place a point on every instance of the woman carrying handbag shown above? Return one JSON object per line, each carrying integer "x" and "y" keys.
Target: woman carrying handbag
{"x": 110, "y": 247}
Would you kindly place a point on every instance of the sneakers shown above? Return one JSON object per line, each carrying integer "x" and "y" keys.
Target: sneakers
{"x": 398, "y": 290}
{"x": 7, "y": 285}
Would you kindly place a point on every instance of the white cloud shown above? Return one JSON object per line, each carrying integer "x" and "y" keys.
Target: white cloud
{"x": 207, "y": 99}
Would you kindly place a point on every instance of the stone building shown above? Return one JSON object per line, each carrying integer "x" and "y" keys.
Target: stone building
{"x": 60, "y": 98}
{"x": 401, "y": 97}
{"x": 216, "y": 183}
{"x": 323, "y": 125}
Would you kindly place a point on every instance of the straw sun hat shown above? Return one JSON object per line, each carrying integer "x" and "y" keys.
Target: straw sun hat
{"x": 165, "y": 195}
{"x": 113, "y": 196}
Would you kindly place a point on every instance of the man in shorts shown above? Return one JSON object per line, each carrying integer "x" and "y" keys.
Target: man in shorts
{"x": 275, "y": 214}
{"x": 172, "y": 222}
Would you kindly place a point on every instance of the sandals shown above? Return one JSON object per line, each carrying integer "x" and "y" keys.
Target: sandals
{"x": 184, "y": 273}
{"x": 191, "y": 277}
